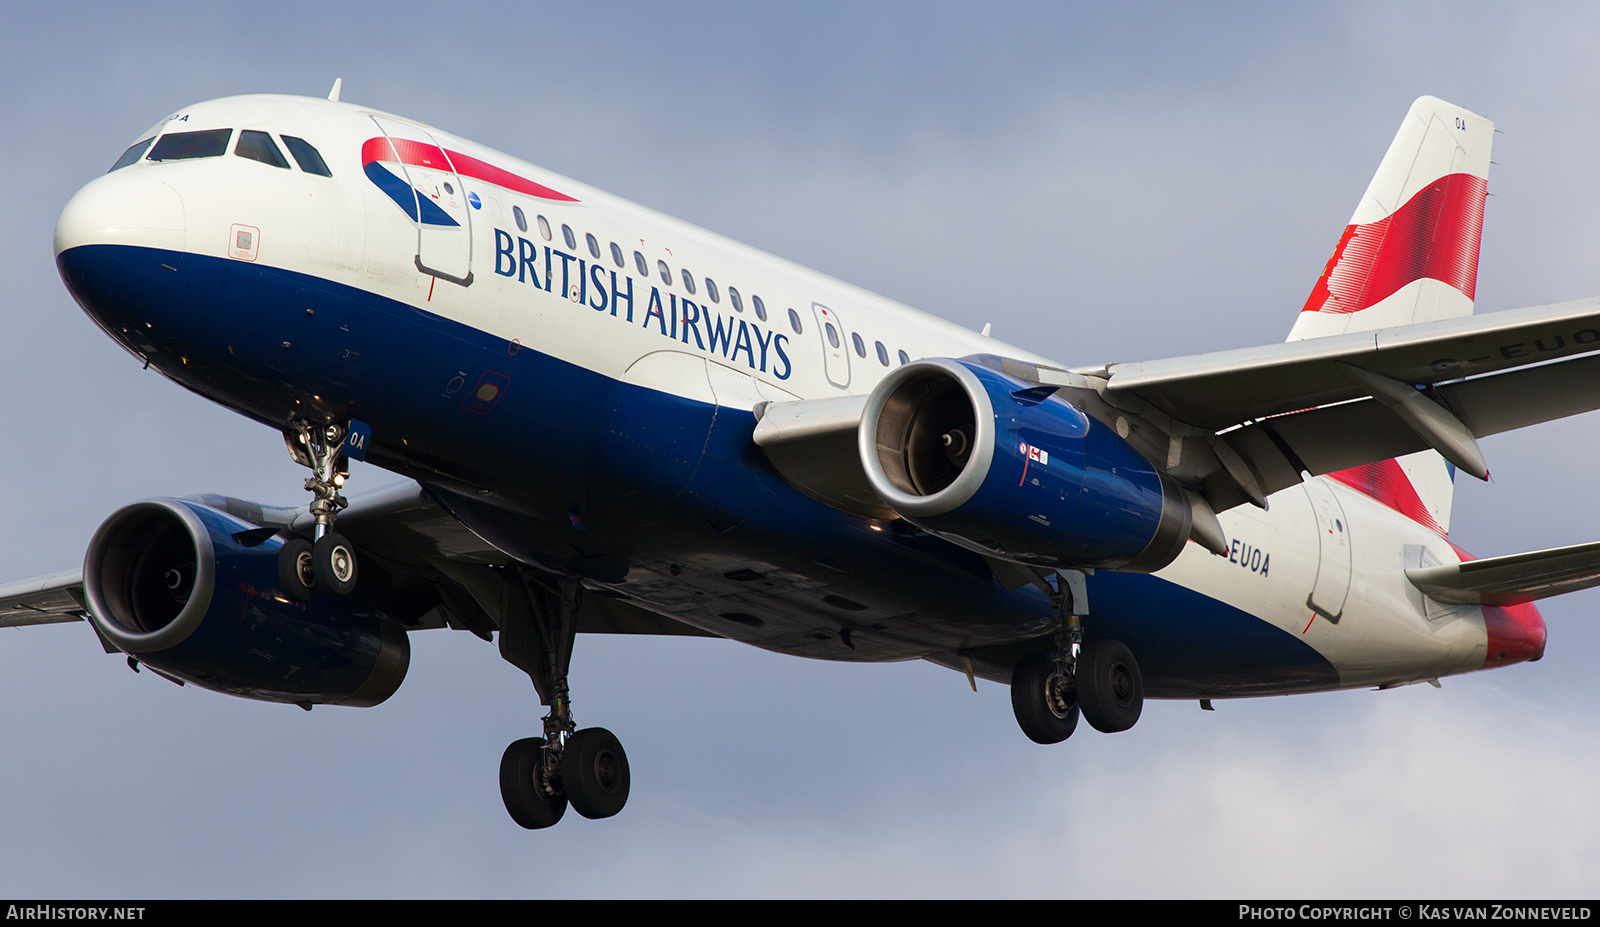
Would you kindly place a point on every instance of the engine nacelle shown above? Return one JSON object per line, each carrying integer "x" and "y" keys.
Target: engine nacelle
{"x": 1010, "y": 470}
{"x": 193, "y": 592}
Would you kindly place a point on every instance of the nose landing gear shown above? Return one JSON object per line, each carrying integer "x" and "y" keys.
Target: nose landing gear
{"x": 327, "y": 564}
{"x": 1099, "y": 680}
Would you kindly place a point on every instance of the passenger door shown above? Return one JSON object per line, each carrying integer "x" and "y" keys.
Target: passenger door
{"x": 442, "y": 215}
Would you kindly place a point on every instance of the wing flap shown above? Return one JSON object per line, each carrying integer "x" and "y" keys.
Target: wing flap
{"x": 1512, "y": 579}
{"x": 1350, "y": 434}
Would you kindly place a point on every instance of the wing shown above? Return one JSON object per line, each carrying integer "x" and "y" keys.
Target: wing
{"x": 1226, "y": 388}
{"x": 1238, "y": 426}
{"x": 1258, "y": 418}
{"x": 426, "y": 568}
{"x": 42, "y": 600}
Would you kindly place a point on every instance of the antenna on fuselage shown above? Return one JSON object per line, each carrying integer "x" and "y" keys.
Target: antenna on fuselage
{"x": 333, "y": 95}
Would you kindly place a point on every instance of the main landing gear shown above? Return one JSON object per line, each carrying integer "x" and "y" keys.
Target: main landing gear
{"x": 327, "y": 564}
{"x": 541, "y": 776}
{"x": 1100, "y": 680}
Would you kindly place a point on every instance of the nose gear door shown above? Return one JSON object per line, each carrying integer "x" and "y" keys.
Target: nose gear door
{"x": 439, "y": 204}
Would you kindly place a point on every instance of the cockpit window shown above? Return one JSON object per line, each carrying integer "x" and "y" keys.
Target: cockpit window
{"x": 258, "y": 146}
{"x": 307, "y": 157}
{"x": 181, "y": 146}
{"x": 134, "y": 153}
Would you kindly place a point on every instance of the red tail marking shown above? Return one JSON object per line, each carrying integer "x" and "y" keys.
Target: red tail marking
{"x": 1387, "y": 483}
{"x": 1434, "y": 235}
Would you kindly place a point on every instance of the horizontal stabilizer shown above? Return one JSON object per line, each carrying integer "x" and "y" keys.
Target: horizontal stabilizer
{"x": 1513, "y": 579}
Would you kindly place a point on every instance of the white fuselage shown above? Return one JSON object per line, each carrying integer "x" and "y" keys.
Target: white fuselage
{"x": 1324, "y": 564}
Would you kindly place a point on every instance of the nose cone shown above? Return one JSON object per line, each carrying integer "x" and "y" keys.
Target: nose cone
{"x": 119, "y": 243}
{"x": 122, "y": 208}
{"x": 1516, "y": 634}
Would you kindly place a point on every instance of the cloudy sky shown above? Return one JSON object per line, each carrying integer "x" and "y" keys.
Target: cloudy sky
{"x": 1123, "y": 183}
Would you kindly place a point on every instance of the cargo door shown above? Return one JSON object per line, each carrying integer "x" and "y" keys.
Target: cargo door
{"x": 1332, "y": 585}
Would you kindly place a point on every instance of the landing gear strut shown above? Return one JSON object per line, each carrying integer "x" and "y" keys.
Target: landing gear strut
{"x": 328, "y": 563}
{"x": 585, "y": 768}
{"x": 1100, "y": 680}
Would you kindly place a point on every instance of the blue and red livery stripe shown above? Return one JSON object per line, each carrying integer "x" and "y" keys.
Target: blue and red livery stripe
{"x": 421, "y": 154}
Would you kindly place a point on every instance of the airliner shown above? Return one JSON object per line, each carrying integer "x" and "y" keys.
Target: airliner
{"x": 610, "y": 421}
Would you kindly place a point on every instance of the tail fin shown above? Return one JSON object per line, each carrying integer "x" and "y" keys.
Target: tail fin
{"x": 1410, "y": 254}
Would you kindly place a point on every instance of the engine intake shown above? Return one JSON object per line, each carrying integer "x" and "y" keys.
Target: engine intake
{"x": 1010, "y": 470}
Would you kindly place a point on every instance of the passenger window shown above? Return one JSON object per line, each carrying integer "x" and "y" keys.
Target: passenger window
{"x": 181, "y": 146}
{"x": 833, "y": 336}
{"x": 883, "y": 353}
{"x": 522, "y": 219}
{"x": 616, "y": 255}
{"x": 134, "y": 153}
{"x": 306, "y": 156}
{"x": 544, "y": 228}
{"x": 594, "y": 247}
{"x": 642, "y": 264}
{"x": 761, "y": 308}
{"x": 688, "y": 280}
{"x": 738, "y": 304}
{"x": 258, "y": 146}
{"x": 861, "y": 346}
{"x": 711, "y": 290}
{"x": 566, "y": 233}
{"x": 794, "y": 323}
{"x": 904, "y": 359}
{"x": 666, "y": 272}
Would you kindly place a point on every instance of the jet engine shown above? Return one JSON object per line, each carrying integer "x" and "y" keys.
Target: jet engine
{"x": 1013, "y": 471}
{"x": 193, "y": 593}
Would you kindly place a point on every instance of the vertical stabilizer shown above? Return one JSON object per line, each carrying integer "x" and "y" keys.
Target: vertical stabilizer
{"x": 1409, "y": 254}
